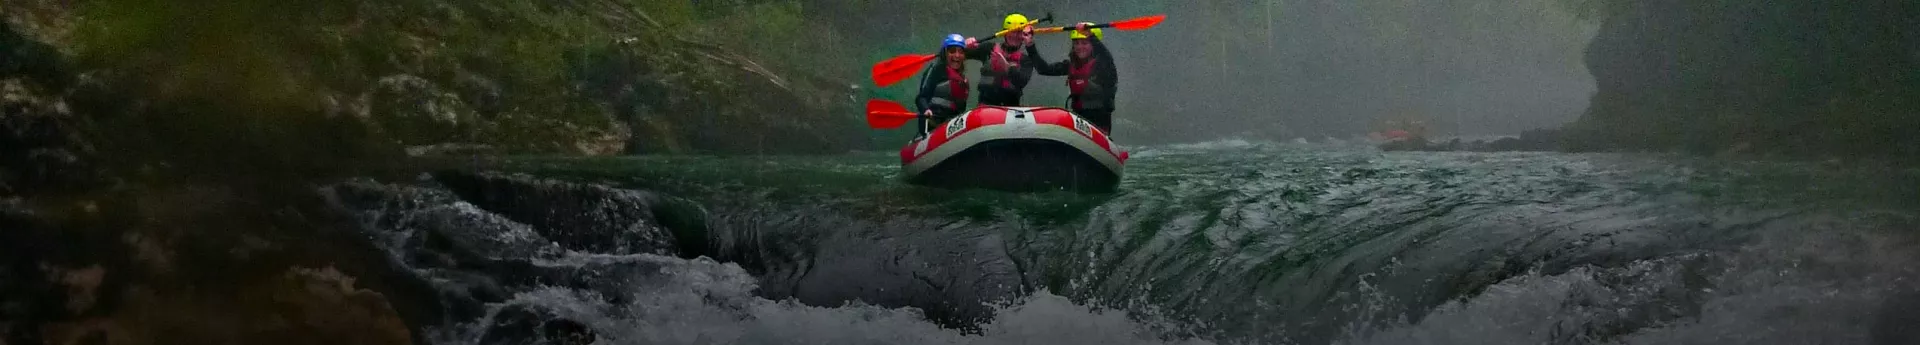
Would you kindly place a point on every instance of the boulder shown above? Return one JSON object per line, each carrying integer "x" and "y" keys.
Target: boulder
{"x": 583, "y": 217}
{"x": 531, "y": 325}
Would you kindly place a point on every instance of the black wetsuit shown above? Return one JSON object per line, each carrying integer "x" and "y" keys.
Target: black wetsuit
{"x": 941, "y": 90}
{"x": 1094, "y": 101}
{"x": 1003, "y": 82}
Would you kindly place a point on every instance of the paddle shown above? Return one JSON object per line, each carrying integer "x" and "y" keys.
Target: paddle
{"x": 899, "y": 68}
{"x": 902, "y": 67}
{"x": 885, "y": 114}
{"x": 1135, "y": 24}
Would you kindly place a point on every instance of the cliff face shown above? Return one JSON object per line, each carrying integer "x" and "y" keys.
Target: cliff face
{"x": 155, "y": 156}
{"x": 1798, "y": 78}
{"x": 577, "y": 77}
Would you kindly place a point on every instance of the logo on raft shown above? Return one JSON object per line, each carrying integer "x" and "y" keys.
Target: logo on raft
{"x": 959, "y": 123}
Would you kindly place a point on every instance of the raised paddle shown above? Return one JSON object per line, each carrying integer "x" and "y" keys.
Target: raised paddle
{"x": 885, "y": 114}
{"x": 902, "y": 67}
{"x": 1135, "y": 24}
{"x": 899, "y": 68}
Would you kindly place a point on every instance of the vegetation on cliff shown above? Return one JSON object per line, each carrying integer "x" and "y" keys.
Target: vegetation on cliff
{"x": 265, "y": 81}
{"x": 154, "y": 155}
{"x": 1796, "y": 78}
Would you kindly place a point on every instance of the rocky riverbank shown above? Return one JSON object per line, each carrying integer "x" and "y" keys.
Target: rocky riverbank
{"x": 160, "y": 162}
{"x": 1534, "y": 140}
{"x": 584, "y": 77}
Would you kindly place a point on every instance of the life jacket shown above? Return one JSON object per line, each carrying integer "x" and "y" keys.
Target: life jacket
{"x": 1081, "y": 87}
{"x": 1000, "y": 66}
{"x": 952, "y": 94}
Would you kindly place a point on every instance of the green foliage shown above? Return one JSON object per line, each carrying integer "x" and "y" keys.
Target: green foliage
{"x": 215, "y": 87}
{"x": 251, "y": 75}
{"x": 1807, "y": 79}
{"x": 267, "y": 59}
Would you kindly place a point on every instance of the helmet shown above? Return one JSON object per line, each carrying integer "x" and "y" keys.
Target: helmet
{"x": 1013, "y": 21}
{"x": 954, "y": 40}
{"x": 1075, "y": 34}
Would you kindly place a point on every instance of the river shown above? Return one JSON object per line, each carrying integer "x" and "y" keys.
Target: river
{"x": 1231, "y": 242}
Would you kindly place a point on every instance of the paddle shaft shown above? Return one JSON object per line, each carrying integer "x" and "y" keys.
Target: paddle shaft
{"x": 903, "y": 69}
{"x": 1070, "y": 28}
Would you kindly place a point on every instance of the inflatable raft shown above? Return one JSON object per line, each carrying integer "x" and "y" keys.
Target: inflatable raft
{"x": 1020, "y": 149}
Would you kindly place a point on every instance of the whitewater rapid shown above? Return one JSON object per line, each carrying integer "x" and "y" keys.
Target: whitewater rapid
{"x": 1230, "y": 242}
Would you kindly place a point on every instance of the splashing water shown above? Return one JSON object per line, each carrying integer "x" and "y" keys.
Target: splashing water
{"x": 1238, "y": 242}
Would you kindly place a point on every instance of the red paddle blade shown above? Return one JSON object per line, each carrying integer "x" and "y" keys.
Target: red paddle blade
{"x": 885, "y": 114}
{"x": 1141, "y": 23}
{"x": 899, "y": 68}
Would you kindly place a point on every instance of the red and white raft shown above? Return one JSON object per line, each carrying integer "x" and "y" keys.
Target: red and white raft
{"x": 1020, "y": 149}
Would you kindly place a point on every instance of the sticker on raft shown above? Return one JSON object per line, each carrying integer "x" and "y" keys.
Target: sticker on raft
{"x": 1080, "y": 124}
{"x": 959, "y": 123}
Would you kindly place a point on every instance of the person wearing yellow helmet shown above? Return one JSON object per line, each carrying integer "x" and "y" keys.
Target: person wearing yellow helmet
{"x": 1009, "y": 65}
{"x": 1091, "y": 77}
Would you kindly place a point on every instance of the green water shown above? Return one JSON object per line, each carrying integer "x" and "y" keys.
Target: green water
{"x": 1282, "y": 243}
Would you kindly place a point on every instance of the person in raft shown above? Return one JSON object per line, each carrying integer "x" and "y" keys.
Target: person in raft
{"x": 943, "y": 85}
{"x": 1009, "y": 65}
{"x": 1091, "y": 77}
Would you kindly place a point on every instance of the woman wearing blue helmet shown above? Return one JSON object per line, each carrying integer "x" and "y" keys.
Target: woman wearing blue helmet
{"x": 943, "y": 85}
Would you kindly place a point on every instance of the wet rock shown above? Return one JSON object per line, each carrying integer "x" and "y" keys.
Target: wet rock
{"x": 437, "y": 231}
{"x": 475, "y": 256}
{"x": 952, "y": 274}
{"x": 465, "y": 293}
{"x": 1417, "y": 144}
{"x": 379, "y": 201}
{"x": 468, "y": 235}
{"x": 530, "y": 325}
{"x": 464, "y": 252}
{"x": 1531, "y": 140}
{"x": 583, "y": 217}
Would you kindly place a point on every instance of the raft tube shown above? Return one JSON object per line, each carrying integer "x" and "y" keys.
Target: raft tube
{"x": 1016, "y": 149}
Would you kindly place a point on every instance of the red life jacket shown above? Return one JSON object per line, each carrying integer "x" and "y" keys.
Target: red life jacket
{"x": 1001, "y": 63}
{"x": 957, "y": 82}
{"x": 1078, "y": 77}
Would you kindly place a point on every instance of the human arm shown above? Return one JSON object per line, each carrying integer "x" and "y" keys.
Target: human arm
{"x": 1107, "y": 72}
{"x": 922, "y": 101}
{"x": 1055, "y": 69}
